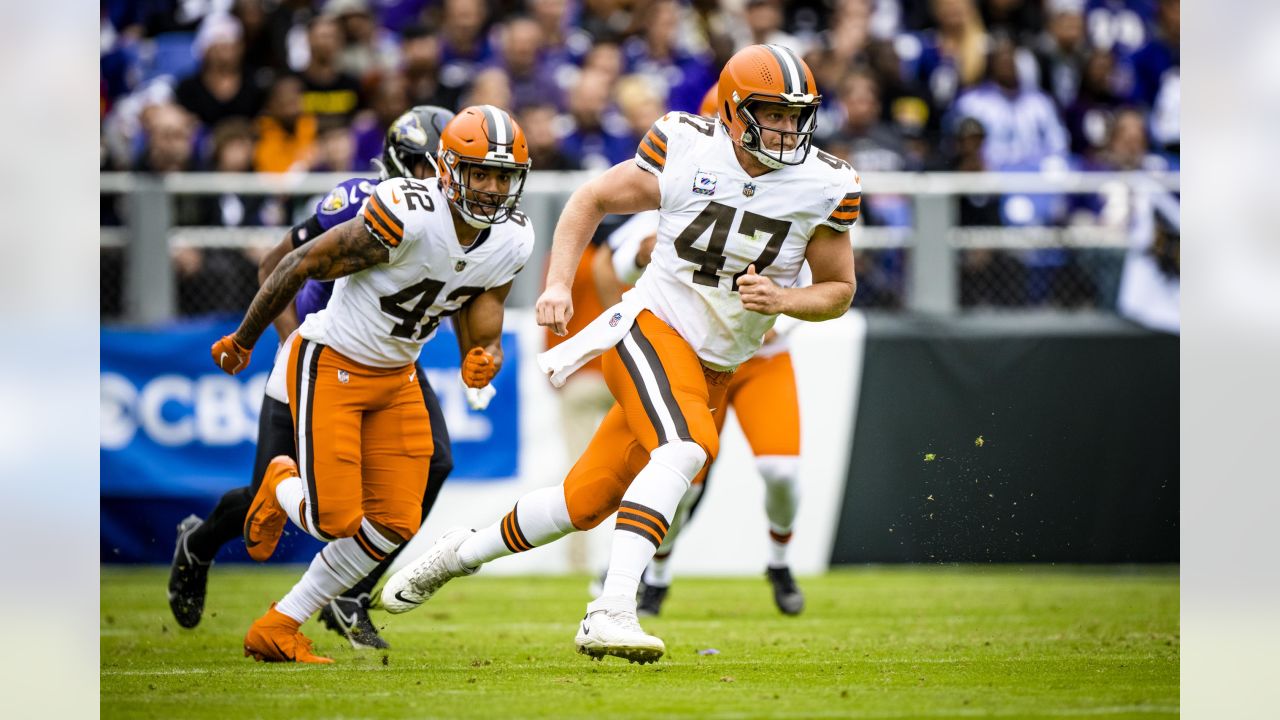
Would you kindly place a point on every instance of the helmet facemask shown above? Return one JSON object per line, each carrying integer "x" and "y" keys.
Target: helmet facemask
{"x": 482, "y": 208}
{"x": 751, "y": 139}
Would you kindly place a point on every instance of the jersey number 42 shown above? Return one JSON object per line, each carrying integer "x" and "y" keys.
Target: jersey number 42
{"x": 410, "y": 317}
{"x": 719, "y": 218}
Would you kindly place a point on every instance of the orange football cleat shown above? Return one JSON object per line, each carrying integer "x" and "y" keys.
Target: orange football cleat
{"x": 265, "y": 521}
{"x": 274, "y": 637}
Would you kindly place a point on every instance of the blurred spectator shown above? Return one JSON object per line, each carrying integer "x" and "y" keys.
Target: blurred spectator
{"x": 327, "y": 90}
{"x": 1127, "y": 148}
{"x": 1118, "y": 26}
{"x": 390, "y": 101}
{"x": 872, "y": 145}
{"x": 1088, "y": 118}
{"x": 490, "y": 87}
{"x": 370, "y": 49}
{"x": 565, "y": 43}
{"x": 335, "y": 148}
{"x": 259, "y": 52}
{"x": 421, "y": 70}
{"x": 1022, "y": 124}
{"x": 605, "y": 20}
{"x": 1019, "y": 19}
{"x": 639, "y": 103}
{"x": 764, "y": 26}
{"x": 597, "y": 138}
{"x": 1154, "y": 69}
{"x": 1150, "y": 286}
{"x": 222, "y": 87}
{"x": 170, "y": 133}
{"x": 1061, "y": 51}
{"x": 464, "y": 47}
{"x": 605, "y": 58}
{"x": 399, "y": 15}
{"x": 686, "y": 76}
{"x": 286, "y": 134}
{"x": 233, "y": 143}
{"x": 532, "y": 81}
{"x": 941, "y": 61}
{"x": 539, "y": 123}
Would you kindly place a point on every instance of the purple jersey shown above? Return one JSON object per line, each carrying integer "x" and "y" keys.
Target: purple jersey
{"x": 340, "y": 205}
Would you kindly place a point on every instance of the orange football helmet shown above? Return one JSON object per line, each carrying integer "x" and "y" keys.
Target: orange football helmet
{"x": 484, "y": 136}
{"x": 768, "y": 74}
{"x": 709, "y": 101}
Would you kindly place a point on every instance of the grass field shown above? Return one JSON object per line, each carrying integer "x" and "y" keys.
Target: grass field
{"x": 895, "y": 642}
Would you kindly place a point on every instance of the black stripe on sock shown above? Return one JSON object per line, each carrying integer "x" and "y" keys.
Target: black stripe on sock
{"x": 628, "y": 505}
{"x": 637, "y": 531}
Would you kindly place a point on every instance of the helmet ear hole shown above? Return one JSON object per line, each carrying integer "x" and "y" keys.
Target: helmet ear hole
{"x": 728, "y": 114}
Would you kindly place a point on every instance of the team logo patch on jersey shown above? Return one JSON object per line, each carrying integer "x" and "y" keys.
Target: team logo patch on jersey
{"x": 343, "y": 376}
{"x": 704, "y": 183}
{"x": 748, "y": 189}
{"x": 613, "y": 321}
{"x": 334, "y": 202}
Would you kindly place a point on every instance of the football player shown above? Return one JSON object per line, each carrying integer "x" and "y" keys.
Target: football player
{"x": 407, "y": 151}
{"x": 418, "y": 252}
{"x": 763, "y": 395}
{"x": 744, "y": 202}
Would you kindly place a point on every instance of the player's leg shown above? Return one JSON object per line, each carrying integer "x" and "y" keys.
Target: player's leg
{"x": 321, "y": 493}
{"x": 199, "y": 541}
{"x": 348, "y": 614}
{"x": 768, "y": 410}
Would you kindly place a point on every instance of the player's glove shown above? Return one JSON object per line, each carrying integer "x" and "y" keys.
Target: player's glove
{"x": 478, "y": 368}
{"x": 230, "y": 356}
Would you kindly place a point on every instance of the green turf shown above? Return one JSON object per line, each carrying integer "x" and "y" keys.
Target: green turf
{"x": 876, "y": 643}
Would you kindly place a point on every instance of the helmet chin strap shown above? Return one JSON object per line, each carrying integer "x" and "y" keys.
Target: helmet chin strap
{"x": 765, "y": 159}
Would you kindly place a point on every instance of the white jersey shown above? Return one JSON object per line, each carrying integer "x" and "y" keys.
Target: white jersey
{"x": 715, "y": 220}
{"x": 382, "y": 316}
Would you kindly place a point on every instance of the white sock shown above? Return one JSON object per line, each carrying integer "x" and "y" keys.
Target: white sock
{"x": 339, "y": 565}
{"x": 642, "y": 522}
{"x": 659, "y": 571}
{"x": 781, "y": 502}
{"x": 537, "y": 519}
{"x": 291, "y": 494}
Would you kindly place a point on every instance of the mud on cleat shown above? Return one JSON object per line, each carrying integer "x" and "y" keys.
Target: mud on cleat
{"x": 349, "y": 617}
{"x": 188, "y": 577}
{"x": 415, "y": 583}
{"x": 786, "y": 594}
{"x": 610, "y": 627}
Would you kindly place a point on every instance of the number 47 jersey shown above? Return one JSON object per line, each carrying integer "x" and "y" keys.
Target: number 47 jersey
{"x": 382, "y": 316}
{"x": 716, "y": 220}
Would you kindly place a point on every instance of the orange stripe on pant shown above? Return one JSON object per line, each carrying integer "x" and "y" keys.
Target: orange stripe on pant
{"x": 364, "y": 441}
{"x": 663, "y": 393}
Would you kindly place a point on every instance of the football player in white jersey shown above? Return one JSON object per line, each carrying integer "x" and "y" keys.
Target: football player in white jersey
{"x": 419, "y": 251}
{"x": 743, "y": 202}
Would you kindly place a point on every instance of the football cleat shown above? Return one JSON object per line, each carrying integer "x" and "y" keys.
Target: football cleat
{"x": 188, "y": 578}
{"x": 265, "y": 521}
{"x": 651, "y": 598}
{"x": 274, "y": 637}
{"x": 785, "y": 593}
{"x": 610, "y": 627}
{"x": 349, "y": 617}
{"x": 415, "y": 583}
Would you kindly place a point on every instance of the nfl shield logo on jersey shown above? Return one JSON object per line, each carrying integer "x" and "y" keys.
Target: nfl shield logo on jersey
{"x": 704, "y": 183}
{"x": 343, "y": 377}
{"x": 748, "y": 189}
{"x": 613, "y": 321}
{"x": 460, "y": 266}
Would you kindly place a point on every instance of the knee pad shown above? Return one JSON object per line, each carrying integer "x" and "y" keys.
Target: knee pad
{"x": 592, "y": 497}
{"x": 682, "y": 456}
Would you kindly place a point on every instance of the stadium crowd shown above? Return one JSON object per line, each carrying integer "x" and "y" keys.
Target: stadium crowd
{"x": 289, "y": 85}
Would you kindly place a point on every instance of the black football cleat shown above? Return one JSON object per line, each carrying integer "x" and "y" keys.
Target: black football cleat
{"x": 188, "y": 578}
{"x": 349, "y": 617}
{"x": 785, "y": 593}
{"x": 649, "y": 604}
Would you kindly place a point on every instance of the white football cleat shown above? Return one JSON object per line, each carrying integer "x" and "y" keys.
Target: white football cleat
{"x": 416, "y": 582}
{"x": 610, "y": 627}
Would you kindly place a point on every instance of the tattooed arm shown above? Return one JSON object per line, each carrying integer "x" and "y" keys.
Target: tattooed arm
{"x": 345, "y": 249}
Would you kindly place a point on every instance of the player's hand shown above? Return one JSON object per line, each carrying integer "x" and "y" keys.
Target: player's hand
{"x": 555, "y": 308}
{"x": 478, "y": 368}
{"x": 230, "y": 356}
{"x": 759, "y": 293}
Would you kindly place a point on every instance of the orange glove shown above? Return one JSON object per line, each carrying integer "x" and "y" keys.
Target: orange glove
{"x": 478, "y": 368}
{"x": 230, "y": 356}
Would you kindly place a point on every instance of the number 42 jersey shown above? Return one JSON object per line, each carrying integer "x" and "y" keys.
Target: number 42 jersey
{"x": 716, "y": 220}
{"x": 383, "y": 315}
